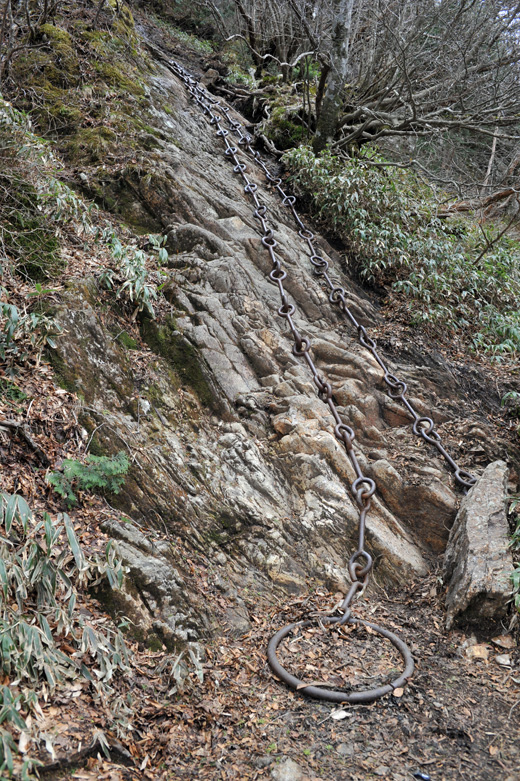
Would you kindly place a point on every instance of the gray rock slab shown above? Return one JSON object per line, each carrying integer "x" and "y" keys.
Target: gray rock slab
{"x": 478, "y": 561}
{"x": 287, "y": 770}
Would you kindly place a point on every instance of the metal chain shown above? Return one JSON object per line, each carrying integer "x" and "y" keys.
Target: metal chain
{"x": 363, "y": 488}
{"x": 422, "y": 426}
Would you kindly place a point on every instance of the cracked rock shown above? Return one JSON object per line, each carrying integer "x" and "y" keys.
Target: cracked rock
{"x": 478, "y": 562}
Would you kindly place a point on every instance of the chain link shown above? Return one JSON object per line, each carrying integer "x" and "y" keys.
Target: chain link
{"x": 422, "y": 426}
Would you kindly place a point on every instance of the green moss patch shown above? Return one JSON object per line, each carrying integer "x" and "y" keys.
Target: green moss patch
{"x": 91, "y": 144}
{"x": 63, "y": 374}
{"x": 10, "y": 391}
{"x": 50, "y": 76}
{"x": 126, "y": 340}
{"x": 186, "y": 360}
{"x": 63, "y": 51}
{"x": 112, "y": 75}
{"x": 285, "y": 127}
{"x": 27, "y": 239}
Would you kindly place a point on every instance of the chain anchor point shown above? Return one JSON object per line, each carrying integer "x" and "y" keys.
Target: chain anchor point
{"x": 318, "y": 693}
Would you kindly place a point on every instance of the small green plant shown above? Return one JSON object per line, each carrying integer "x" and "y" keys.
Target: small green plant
{"x": 199, "y": 45}
{"x": 238, "y": 75}
{"x": 99, "y": 473}
{"x": 131, "y": 278}
{"x": 36, "y": 205}
{"x": 19, "y": 329}
{"x": 38, "y": 209}
{"x": 511, "y": 400}
{"x": 514, "y": 511}
{"x": 11, "y": 392}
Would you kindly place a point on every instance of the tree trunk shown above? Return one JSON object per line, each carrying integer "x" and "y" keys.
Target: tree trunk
{"x": 251, "y": 34}
{"x": 331, "y": 105}
{"x": 491, "y": 161}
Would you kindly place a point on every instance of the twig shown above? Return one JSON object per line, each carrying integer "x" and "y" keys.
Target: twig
{"x": 292, "y": 64}
{"x": 24, "y": 431}
{"x": 269, "y": 145}
{"x": 512, "y": 708}
{"x": 92, "y": 435}
{"x": 490, "y": 244}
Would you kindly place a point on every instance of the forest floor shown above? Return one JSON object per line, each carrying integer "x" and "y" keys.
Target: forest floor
{"x": 458, "y": 718}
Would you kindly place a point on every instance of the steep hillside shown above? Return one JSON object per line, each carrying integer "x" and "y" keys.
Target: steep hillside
{"x": 147, "y": 333}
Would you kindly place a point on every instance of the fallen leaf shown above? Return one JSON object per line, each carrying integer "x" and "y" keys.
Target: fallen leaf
{"x": 49, "y": 747}
{"x": 493, "y": 750}
{"x": 504, "y": 660}
{"x": 504, "y": 641}
{"x": 398, "y": 692}
{"x": 478, "y": 652}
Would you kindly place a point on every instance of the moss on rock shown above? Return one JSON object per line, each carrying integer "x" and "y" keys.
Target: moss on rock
{"x": 65, "y": 378}
{"x": 49, "y": 77}
{"x": 27, "y": 238}
{"x": 63, "y": 51}
{"x": 91, "y": 144}
{"x": 186, "y": 360}
{"x": 114, "y": 76}
{"x": 127, "y": 341}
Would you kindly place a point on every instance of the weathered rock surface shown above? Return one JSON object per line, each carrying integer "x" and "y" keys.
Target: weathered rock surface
{"x": 155, "y": 596}
{"x": 478, "y": 561}
{"x": 288, "y": 770}
{"x": 232, "y": 452}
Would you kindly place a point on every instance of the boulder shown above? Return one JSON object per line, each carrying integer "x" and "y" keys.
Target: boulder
{"x": 478, "y": 562}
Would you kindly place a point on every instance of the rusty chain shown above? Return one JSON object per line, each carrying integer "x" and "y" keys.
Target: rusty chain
{"x": 422, "y": 426}
{"x": 363, "y": 488}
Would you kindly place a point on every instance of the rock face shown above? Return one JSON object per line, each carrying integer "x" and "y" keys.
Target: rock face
{"x": 233, "y": 456}
{"x": 478, "y": 562}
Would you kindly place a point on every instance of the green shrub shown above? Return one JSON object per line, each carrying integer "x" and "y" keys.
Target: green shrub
{"x": 514, "y": 510}
{"x": 42, "y": 568}
{"x": 451, "y": 273}
{"x": 20, "y": 329}
{"x": 131, "y": 278}
{"x": 100, "y": 473}
{"x": 511, "y": 400}
{"x": 33, "y": 215}
{"x": 35, "y": 204}
{"x": 193, "y": 42}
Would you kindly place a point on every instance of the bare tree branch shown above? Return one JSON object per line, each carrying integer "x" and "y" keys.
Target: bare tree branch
{"x": 292, "y": 64}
